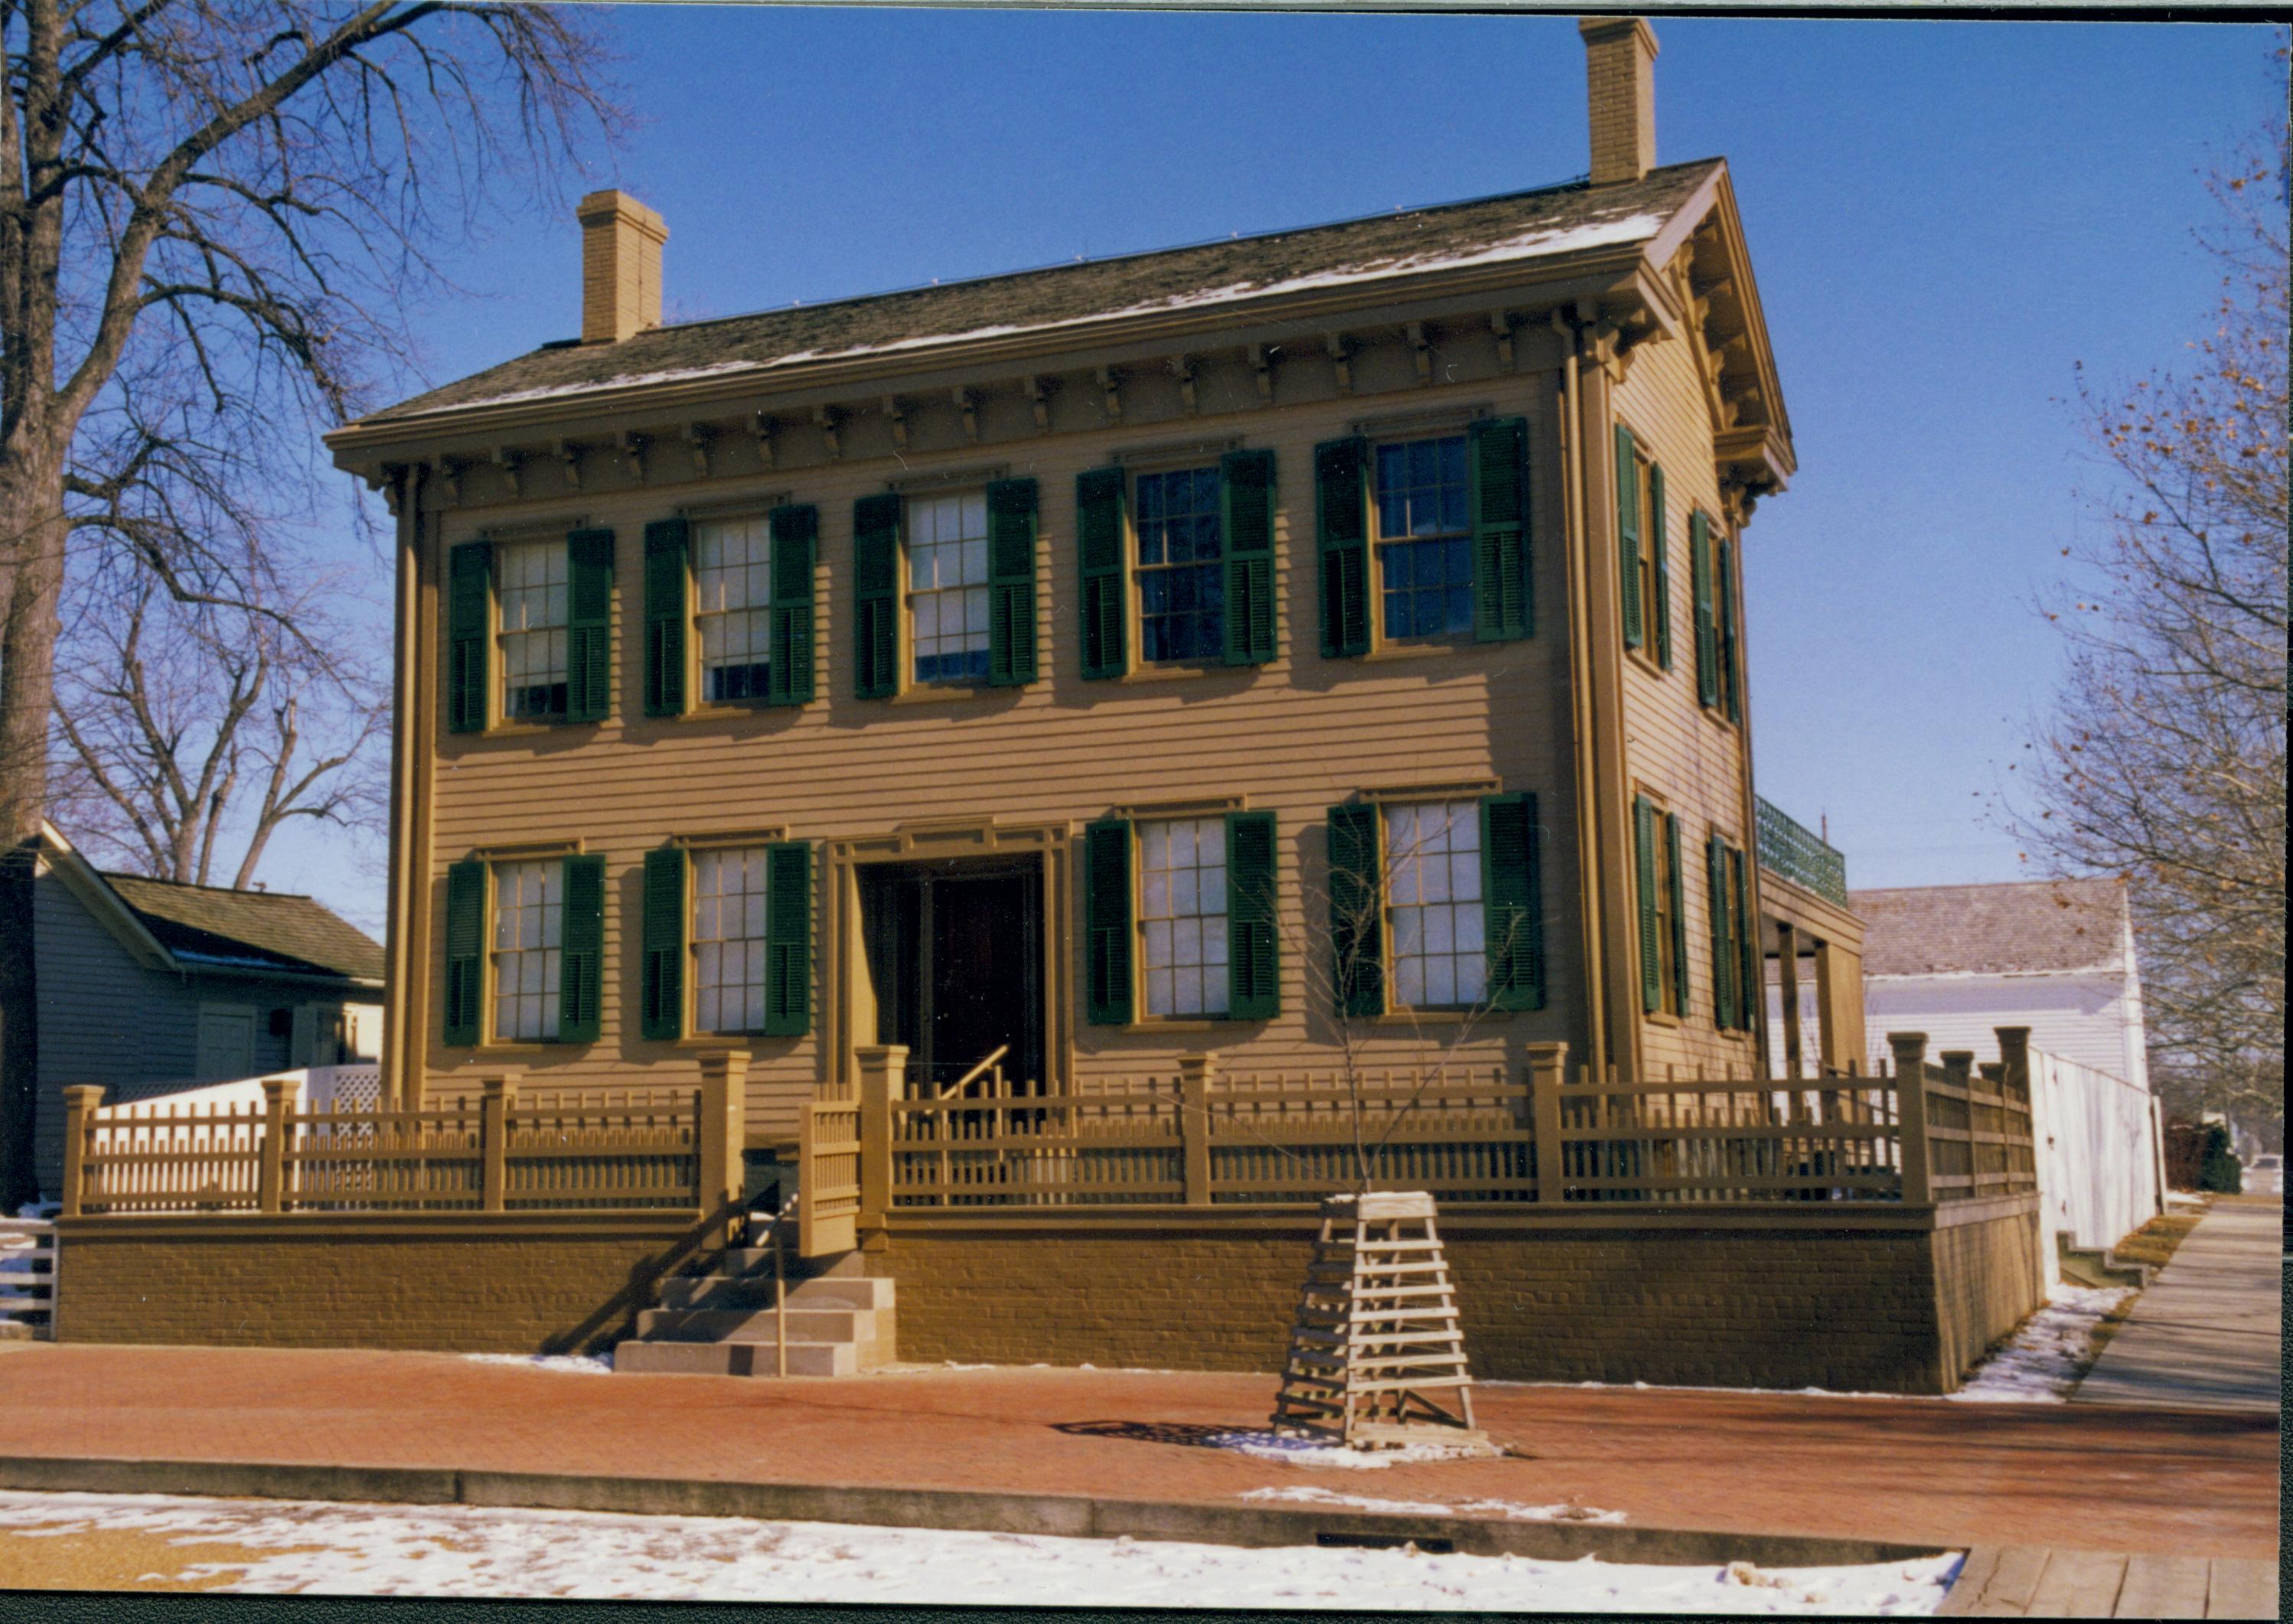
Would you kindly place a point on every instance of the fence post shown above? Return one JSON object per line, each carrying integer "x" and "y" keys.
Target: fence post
{"x": 495, "y": 1096}
{"x": 721, "y": 1134}
{"x": 2015, "y": 1088}
{"x": 1548, "y": 1063}
{"x": 271, "y": 1179}
{"x": 883, "y": 1077}
{"x": 1194, "y": 1074}
{"x": 81, "y": 1103}
{"x": 1911, "y": 1049}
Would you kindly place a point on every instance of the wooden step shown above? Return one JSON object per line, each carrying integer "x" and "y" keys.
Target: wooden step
{"x": 852, "y": 1325}
{"x": 755, "y": 1291}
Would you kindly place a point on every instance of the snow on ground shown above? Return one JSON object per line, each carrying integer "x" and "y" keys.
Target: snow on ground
{"x": 1514, "y": 1511}
{"x": 288, "y": 1546}
{"x": 1296, "y": 1452}
{"x": 2042, "y": 1362}
{"x": 576, "y": 1364}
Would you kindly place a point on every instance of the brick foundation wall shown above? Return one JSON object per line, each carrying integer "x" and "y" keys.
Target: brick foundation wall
{"x": 447, "y": 1284}
{"x": 1990, "y": 1273}
{"x": 1872, "y": 1307}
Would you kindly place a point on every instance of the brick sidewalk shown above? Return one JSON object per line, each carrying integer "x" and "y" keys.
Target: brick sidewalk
{"x": 1908, "y": 1470}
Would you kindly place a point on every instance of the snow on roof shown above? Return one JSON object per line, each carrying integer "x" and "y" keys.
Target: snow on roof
{"x": 1515, "y": 227}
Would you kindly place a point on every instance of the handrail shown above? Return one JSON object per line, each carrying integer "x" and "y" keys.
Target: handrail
{"x": 974, "y": 1075}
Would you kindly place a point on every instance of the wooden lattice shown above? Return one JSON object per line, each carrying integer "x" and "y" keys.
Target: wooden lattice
{"x": 1376, "y": 1357}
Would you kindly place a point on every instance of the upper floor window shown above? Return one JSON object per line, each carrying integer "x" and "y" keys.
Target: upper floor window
{"x": 733, "y": 590}
{"x": 1182, "y": 916}
{"x": 529, "y": 928}
{"x": 1181, "y": 566}
{"x": 1433, "y": 903}
{"x": 946, "y": 541}
{"x": 532, "y": 582}
{"x": 1662, "y": 890}
{"x": 1643, "y": 552}
{"x": 1424, "y": 535}
{"x": 728, "y": 940}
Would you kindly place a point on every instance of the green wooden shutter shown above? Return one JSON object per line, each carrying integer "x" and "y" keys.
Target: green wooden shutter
{"x": 590, "y": 626}
{"x": 795, "y": 535}
{"x": 1707, "y": 631}
{"x": 1659, "y": 541}
{"x": 1342, "y": 503}
{"x": 1676, "y": 889}
{"x": 876, "y": 593}
{"x": 1732, "y": 660}
{"x": 466, "y": 952}
{"x": 1253, "y": 953}
{"x": 663, "y": 1013}
{"x": 1752, "y": 1000}
{"x": 1010, "y": 583}
{"x": 1723, "y": 940}
{"x": 469, "y": 629}
{"x": 1512, "y": 906}
{"x": 1107, "y": 923}
{"x": 1246, "y": 493}
{"x": 1356, "y": 910}
{"x": 788, "y": 939}
{"x": 581, "y": 956}
{"x": 1101, "y": 540}
{"x": 668, "y": 544}
{"x": 1644, "y": 862}
{"x": 1502, "y": 602}
{"x": 1628, "y": 535}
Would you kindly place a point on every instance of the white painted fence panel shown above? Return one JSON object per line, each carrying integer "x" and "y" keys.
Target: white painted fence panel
{"x": 2097, "y": 1144}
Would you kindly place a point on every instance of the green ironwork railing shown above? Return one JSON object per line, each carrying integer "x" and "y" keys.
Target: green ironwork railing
{"x": 1791, "y": 849}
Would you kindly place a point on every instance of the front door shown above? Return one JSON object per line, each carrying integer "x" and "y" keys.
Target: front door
{"x": 955, "y": 951}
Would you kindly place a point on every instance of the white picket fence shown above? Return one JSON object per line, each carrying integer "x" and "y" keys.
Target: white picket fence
{"x": 2098, "y": 1151}
{"x": 354, "y": 1087}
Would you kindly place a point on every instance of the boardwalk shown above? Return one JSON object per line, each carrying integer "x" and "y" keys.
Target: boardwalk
{"x": 2029, "y": 1581}
{"x": 2207, "y": 1333}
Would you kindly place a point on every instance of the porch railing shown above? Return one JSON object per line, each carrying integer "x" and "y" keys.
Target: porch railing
{"x": 1788, "y": 847}
{"x": 655, "y": 1148}
{"x": 1543, "y": 1137}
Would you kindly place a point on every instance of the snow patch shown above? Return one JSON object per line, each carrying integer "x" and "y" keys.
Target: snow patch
{"x": 575, "y": 1364}
{"x": 2043, "y": 1361}
{"x": 1313, "y": 1452}
{"x": 1513, "y": 1510}
{"x": 488, "y": 1551}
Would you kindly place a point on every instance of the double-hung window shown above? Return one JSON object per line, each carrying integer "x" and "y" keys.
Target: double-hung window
{"x": 1179, "y": 918}
{"x": 1662, "y": 890}
{"x": 1181, "y": 567}
{"x": 733, "y": 596}
{"x": 1182, "y": 916}
{"x": 533, "y": 596}
{"x": 946, "y": 538}
{"x": 524, "y": 941}
{"x": 529, "y": 630}
{"x": 528, "y": 940}
{"x": 1424, "y": 538}
{"x": 1644, "y": 552}
{"x": 1434, "y": 904}
{"x": 1739, "y": 965}
{"x": 728, "y": 940}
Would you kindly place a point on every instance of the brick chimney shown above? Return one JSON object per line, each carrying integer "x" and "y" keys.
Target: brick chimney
{"x": 621, "y": 266}
{"x": 1620, "y": 82}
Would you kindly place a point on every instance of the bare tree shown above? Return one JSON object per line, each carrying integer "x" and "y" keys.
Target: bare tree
{"x": 189, "y": 729}
{"x": 215, "y": 216}
{"x": 2164, "y": 760}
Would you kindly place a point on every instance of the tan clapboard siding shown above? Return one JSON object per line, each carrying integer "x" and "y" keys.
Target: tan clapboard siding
{"x": 1293, "y": 736}
{"x": 1673, "y": 747}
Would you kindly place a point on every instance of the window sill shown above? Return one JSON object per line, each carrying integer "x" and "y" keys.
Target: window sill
{"x": 1415, "y": 650}
{"x": 1181, "y": 1024}
{"x": 925, "y": 693}
{"x": 500, "y": 1051}
{"x": 717, "y": 1043}
{"x": 517, "y": 730}
{"x": 1176, "y": 671}
{"x": 1661, "y": 1017}
{"x": 716, "y": 710}
{"x": 1439, "y": 1017}
{"x": 1646, "y": 663}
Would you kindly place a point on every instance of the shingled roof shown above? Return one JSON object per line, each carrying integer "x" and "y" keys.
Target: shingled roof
{"x": 259, "y": 930}
{"x": 1524, "y": 225}
{"x": 2021, "y": 928}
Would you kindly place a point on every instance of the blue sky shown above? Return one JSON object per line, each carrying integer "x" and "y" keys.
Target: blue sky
{"x": 1946, "y": 218}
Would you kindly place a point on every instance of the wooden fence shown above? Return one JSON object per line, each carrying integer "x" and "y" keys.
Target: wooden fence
{"x": 1192, "y": 1137}
{"x": 648, "y": 1150}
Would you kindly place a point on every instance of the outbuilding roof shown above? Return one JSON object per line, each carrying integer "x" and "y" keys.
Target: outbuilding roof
{"x": 2023, "y": 928}
{"x": 1515, "y": 226}
{"x": 255, "y": 930}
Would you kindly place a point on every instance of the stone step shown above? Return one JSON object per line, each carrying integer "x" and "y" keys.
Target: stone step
{"x": 755, "y": 1291}
{"x": 2091, "y": 1266}
{"x": 734, "y": 1359}
{"x": 853, "y": 1325}
{"x": 758, "y": 1260}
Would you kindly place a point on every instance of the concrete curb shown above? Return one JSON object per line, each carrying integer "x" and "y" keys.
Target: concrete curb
{"x": 1067, "y": 1515}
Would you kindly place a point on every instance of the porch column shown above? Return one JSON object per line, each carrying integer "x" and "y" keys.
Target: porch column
{"x": 1787, "y": 968}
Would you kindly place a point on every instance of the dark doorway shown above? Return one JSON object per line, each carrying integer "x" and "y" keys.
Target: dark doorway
{"x": 955, "y": 951}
